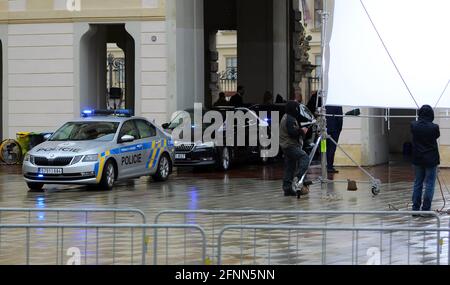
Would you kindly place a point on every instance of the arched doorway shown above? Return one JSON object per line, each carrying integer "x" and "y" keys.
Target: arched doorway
{"x": 107, "y": 68}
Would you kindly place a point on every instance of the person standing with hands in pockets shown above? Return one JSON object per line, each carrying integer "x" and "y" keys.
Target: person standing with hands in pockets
{"x": 425, "y": 158}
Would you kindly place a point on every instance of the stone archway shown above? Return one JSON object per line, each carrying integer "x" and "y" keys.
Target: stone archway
{"x": 94, "y": 91}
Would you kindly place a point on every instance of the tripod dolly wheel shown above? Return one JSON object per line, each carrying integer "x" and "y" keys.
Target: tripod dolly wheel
{"x": 376, "y": 185}
{"x": 375, "y": 190}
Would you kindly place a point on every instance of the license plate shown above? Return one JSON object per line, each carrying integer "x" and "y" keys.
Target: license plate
{"x": 180, "y": 156}
{"x": 51, "y": 171}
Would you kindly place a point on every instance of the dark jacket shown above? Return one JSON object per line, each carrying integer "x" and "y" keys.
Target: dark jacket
{"x": 221, "y": 102}
{"x": 291, "y": 134}
{"x": 334, "y": 124}
{"x": 237, "y": 100}
{"x": 312, "y": 103}
{"x": 425, "y": 135}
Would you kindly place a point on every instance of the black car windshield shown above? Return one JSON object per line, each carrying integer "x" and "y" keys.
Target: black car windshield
{"x": 185, "y": 117}
{"x": 86, "y": 131}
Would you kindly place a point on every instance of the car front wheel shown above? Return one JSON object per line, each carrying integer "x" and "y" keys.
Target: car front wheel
{"x": 108, "y": 177}
{"x": 35, "y": 187}
{"x": 224, "y": 161}
{"x": 163, "y": 171}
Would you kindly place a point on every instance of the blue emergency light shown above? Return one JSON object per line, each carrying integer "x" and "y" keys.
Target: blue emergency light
{"x": 118, "y": 113}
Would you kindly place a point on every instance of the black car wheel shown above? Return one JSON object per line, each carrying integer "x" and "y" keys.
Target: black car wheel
{"x": 163, "y": 171}
{"x": 263, "y": 159}
{"x": 224, "y": 159}
{"x": 35, "y": 187}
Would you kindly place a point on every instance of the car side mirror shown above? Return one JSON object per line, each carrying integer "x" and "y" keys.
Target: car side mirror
{"x": 356, "y": 113}
{"x": 47, "y": 137}
{"x": 126, "y": 139}
{"x": 165, "y": 126}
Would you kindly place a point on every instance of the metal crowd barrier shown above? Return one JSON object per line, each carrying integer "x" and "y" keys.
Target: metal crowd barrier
{"x": 36, "y": 244}
{"x": 312, "y": 243}
{"x": 66, "y": 215}
{"x": 214, "y": 220}
{"x": 124, "y": 243}
{"x": 73, "y": 216}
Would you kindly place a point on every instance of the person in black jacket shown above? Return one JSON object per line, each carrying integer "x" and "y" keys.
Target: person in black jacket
{"x": 313, "y": 104}
{"x": 334, "y": 128}
{"x": 291, "y": 142}
{"x": 425, "y": 157}
{"x": 238, "y": 99}
{"x": 222, "y": 101}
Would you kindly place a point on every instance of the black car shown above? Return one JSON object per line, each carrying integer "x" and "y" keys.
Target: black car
{"x": 208, "y": 153}
{"x": 269, "y": 109}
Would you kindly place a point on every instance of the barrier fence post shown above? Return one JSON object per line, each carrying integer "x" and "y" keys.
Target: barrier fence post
{"x": 96, "y": 245}
{"x": 28, "y": 246}
{"x": 62, "y": 246}
{"x": 86, "y": 239}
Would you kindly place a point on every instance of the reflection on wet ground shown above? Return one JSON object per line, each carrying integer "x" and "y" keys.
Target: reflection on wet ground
{"x": 254, "y": 187}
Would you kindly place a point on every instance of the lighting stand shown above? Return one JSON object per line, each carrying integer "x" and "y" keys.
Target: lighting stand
{"x": 322, "y": 126}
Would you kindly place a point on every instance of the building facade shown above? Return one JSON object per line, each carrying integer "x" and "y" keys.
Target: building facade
{"x": 54, "y": 56}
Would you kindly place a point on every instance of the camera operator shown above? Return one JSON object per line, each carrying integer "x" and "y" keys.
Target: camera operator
{"x": 291, "y": 141}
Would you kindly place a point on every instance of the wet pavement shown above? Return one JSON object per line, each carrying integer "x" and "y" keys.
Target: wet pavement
{"x": 244, "y": 187}
{"x": 250, "y": 187}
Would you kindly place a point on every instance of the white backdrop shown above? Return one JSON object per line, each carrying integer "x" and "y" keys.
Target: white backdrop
{"x": 416, "y": 33}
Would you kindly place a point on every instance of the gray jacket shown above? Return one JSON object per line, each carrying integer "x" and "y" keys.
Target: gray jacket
{"x": 291, "y": 135}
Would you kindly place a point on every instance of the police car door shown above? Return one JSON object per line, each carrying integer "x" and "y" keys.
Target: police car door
{"x": 151, "y": 144}
{"x": 131, "y": 154}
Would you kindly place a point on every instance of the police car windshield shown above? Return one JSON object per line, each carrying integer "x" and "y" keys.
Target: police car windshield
{"x": 86, "y": 131}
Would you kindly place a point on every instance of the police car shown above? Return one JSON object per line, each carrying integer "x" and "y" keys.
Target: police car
{"x": 99, "y": 149}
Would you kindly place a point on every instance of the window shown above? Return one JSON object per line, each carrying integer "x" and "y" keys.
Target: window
{"x": 231, "y": 62}
{"x": 318, "y": 7}
{"x": 146, "y": 130}
{"x": 318, "y": 63}
{"x": 231, "y": 72}
{"x": 129, "y": 128}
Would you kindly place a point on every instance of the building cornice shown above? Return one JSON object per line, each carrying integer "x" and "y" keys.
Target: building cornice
{"x": 82, "y": 19}
{"x": 90, "y": 13}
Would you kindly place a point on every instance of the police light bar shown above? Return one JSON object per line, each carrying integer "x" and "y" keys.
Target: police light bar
{"x": 118, "y": 113}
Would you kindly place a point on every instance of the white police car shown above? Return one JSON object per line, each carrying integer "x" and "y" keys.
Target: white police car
{"x": 99, "y": 149}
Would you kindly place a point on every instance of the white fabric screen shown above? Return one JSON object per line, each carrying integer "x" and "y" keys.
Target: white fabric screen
{"x": 359, "y": 71}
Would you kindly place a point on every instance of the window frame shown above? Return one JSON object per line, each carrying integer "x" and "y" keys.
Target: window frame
{"x": 121, "y": 128}
{"x": 318, "y": 70}
{"x": 150, "y": 125}
{"x": 317, "y": 17}
{"x": 231, "y": 59}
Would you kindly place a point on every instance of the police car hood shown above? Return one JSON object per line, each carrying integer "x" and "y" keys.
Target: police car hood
{"x": 59, "y": 148}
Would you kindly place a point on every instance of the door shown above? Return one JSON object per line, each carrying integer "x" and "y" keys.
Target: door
{"x": 152, "y": 146}
{"x": 131, "y": 159}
